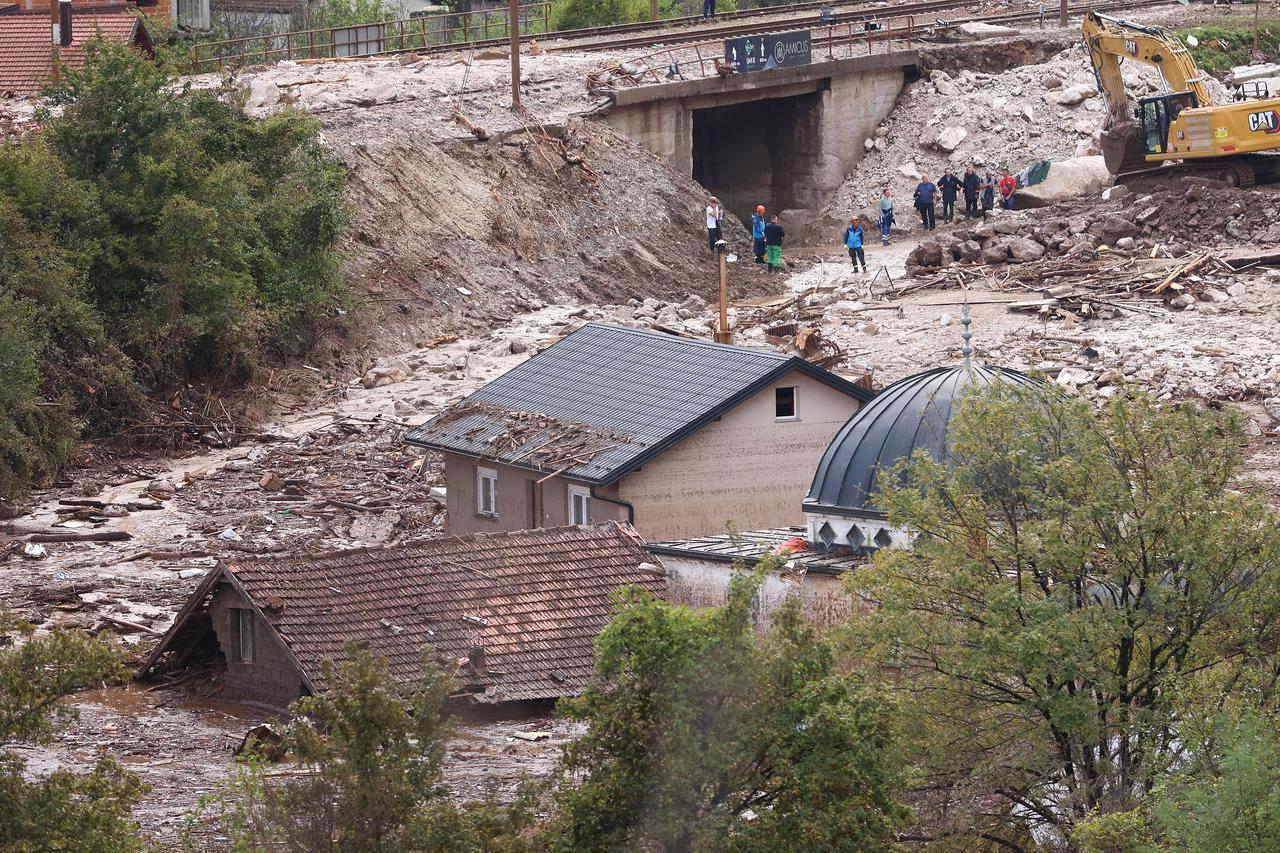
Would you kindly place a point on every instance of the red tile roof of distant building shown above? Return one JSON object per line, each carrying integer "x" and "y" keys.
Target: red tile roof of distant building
{"x": 26, "y": 43}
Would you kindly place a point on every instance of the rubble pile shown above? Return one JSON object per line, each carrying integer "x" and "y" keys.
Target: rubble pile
{"x": 1178, "y": 216}
{"x": 1046, "y": 111}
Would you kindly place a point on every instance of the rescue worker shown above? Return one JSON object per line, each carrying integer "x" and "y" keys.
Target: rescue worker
{"x": 853, "y": 242}
{"x": 925, "y": 192}
{"x": 971, "y": 186}
{"x": 773, "y": 234}
{"x": 988, "y": 187}
{"x": 886, "y": 215}
{"x": 758, "y": 222}
{"x": 1008, "y": 187}
{"x": 713, "y": 223}
{"x": 950, "y": 185}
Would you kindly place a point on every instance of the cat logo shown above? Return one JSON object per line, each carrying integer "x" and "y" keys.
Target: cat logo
{"x": 1267, "y": 122}
{"x": 1131, "y": 46}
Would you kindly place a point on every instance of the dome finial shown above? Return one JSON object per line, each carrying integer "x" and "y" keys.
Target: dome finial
{"x": 966, "y": 335}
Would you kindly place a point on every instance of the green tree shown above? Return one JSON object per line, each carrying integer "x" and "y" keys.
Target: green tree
{"x": 63, "y": 811}
{"x": 704, "y": 736}
{"x": 219, "y": 227}
{"x": 58, "y": 370}
{"x": 371, "y": 750}
{"x": 1074, "y": 572}
{"x": 1228, "y": 797}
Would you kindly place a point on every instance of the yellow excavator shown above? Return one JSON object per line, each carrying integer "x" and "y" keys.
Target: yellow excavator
{"x": 1238, "y": 143}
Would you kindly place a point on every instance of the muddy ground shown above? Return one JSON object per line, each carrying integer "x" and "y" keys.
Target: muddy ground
{"x": 468, "y": 258}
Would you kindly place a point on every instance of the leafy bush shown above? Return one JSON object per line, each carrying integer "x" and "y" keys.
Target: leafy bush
{"x": 577, "y": 14}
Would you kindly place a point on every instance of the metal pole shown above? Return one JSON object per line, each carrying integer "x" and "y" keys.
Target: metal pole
{"x": 1257, "y": 57}
{"x": 515, "y": 55}
{"x": 1062, "y": 13}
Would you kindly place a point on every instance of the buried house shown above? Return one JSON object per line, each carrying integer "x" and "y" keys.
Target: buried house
{"x": 511, "y": 616}
{"x": 843, "y": 525}
{"x": 677, "y": 436}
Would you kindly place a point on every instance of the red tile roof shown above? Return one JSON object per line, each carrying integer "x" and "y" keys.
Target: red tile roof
{"x": 533, "y": 601}
{"x": 26, "y": 43}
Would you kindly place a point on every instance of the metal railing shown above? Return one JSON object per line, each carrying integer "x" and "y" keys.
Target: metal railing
{"x": 706, "y": 59}
{"x": 400, "y": 36}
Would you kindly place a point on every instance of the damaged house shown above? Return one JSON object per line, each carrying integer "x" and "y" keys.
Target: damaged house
{"x": 510, "y": 616}
{"x": 679, "y": 437}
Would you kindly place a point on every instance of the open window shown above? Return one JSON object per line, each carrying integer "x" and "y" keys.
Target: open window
{"x": 579, "y": 505}
{"x": 242, "y": 634}
{"x": 784, "y": 403}
{"x": 487, "y": 492}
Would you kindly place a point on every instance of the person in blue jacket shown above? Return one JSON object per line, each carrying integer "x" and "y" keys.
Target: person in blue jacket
{"x": 757, "y": 233}
{"x": 853, "y": 241}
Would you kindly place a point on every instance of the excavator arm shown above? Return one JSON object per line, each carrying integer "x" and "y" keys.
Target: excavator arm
{"x": 1110, "y": 39}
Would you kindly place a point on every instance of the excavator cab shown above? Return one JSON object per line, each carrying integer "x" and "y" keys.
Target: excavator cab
{"x": 1157, "y": 113}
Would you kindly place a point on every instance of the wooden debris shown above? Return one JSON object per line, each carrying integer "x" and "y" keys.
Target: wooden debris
{"x": 93, "y": 536}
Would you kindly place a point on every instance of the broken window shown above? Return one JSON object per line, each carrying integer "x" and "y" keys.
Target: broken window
{"x": 579, "y": 505}
{"x": 242, "y": 631}
{"x": 487, "y": 492}
{"x": 784, "y": 402}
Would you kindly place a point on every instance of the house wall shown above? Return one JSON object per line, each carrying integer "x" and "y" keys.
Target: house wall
{"x": 748, "y": 468}
{"x": 703, "y": 583}
{"x": 515, "y": 494}
{"x": 272, "y": 678}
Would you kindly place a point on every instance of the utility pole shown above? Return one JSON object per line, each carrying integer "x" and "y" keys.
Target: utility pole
{"x": 515, "y": 55}
{"x": 1062, "y": 13}
{"x": 55, "y": 38}
{"x": 723, "y": 336}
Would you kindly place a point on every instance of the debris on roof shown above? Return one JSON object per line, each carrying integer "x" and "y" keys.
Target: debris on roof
{"x": 606, "y": 398}
{"x": 752, "y": 546}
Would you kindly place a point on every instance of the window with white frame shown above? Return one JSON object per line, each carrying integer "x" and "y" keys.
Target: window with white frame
{"x": 242, "y": 632}
{"x": 579, "y": 505}
{"x": 487, "y": 492}
{"x": 784, "y": 403}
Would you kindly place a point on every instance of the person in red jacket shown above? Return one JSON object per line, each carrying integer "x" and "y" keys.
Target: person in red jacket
{"x": 1008, "y": 186}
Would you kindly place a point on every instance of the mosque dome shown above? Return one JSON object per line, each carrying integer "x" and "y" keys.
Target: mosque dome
{"x": 911, "y": 414}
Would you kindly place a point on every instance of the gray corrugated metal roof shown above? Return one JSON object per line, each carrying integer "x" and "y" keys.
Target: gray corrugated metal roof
{"x": 606, "y": 398}
{"x": 911, "y": 414}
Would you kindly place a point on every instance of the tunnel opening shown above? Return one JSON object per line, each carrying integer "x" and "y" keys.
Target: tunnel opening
{"x": 760, "y": 152}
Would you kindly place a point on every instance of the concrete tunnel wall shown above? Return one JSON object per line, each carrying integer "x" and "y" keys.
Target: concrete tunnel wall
{"x": 785, "y": 138}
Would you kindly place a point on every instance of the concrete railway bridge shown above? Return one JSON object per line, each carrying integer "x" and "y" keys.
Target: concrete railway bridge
{"x": 789, "y": 135}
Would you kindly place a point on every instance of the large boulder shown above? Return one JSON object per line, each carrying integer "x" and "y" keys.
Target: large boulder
{"x": 1025, "y": 249}
{"x": 1109, "y": 229}
{"x": 1076, "y": 94}
{"x": 1247, "y": 73}
{"x": 950, "y": 138}
{"x": 1067, "y": 179}
{"x": 979, "y": 30}
{"x": 996, "y": 252}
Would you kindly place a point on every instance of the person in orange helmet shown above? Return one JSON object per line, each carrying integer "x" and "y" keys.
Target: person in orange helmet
{"x": 757, "y": 233}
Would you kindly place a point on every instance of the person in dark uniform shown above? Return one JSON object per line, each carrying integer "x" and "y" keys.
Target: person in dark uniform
{"x": 950, "y": 186}
{"x": 972, "y": 183}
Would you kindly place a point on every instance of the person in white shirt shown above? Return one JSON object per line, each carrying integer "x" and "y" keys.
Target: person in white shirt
{"x": 713, "y": 223}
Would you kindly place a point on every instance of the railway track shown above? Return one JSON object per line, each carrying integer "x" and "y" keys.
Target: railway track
{"x": 926, "y": 11}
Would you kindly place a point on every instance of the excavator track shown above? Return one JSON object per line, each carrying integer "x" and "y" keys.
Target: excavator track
{"x": 1241, "y": 172}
